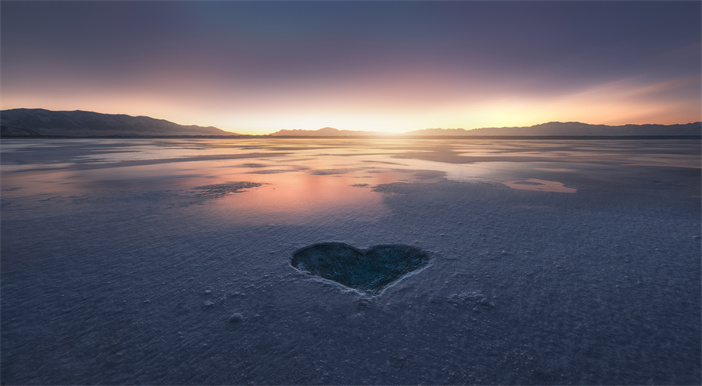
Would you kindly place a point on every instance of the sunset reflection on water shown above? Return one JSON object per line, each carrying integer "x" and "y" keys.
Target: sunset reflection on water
{"x": 294, "y": 198}
{"x": 305, "y": 180}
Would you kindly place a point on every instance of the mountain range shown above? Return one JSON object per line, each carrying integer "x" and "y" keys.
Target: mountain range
{"x": 550, "y": 129}
{"x": 578, "y": 129}
{"x": 325, "y": 132}
{"x": 46, "y": 123}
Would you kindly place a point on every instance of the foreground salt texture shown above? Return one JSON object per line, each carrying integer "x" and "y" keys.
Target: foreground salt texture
{"x": 168, "y": 262}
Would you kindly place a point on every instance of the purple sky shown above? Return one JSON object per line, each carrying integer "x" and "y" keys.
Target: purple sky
{"x": 257, "y": 67}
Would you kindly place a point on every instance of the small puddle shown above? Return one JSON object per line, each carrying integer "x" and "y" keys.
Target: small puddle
{"x": 539, "y": 185}
{"x": 369, "y": 271}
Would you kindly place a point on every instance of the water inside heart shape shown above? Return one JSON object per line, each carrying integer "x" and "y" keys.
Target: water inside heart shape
{"x": 369, "y": 270}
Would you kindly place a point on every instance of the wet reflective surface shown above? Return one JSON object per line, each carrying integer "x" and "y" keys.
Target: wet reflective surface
{"x": 300, "y": 180}
{"x": 169, "y": 261}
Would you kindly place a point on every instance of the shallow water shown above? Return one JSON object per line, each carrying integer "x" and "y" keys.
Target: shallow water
{"x": 168, "y": 261}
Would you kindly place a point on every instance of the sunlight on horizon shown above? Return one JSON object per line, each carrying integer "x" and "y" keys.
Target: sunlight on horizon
{"x": 281, "y": 66}
{"x": 608, "y": 104}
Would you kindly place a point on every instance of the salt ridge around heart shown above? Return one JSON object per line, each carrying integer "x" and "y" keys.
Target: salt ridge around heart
{"x": 369, "y": 271}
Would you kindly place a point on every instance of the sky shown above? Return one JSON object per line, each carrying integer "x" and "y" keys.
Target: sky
{"x": 393, "y": 66}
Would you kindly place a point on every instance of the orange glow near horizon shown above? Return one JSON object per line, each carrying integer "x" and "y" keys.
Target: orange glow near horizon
{"x": 390, "y": 67}
{"x": 390, "y": 103}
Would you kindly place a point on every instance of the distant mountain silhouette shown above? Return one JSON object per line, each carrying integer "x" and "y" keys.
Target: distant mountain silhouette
{"x": 550, "y": 129}
{"x": 571, "y": 129}
{"x": 46, "y": 123}
{"x": 323, "y": 132}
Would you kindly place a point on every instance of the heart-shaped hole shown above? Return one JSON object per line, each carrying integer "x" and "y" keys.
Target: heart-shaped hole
{"x": 370, "y": 270}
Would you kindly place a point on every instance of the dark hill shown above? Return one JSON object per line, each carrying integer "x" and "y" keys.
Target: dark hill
{"x": 46, "y": 123}
{"x": 323, "y": 132}
{"x": 577, "y": 129}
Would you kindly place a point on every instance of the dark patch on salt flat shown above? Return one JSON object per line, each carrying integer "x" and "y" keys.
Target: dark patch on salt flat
{"x": 272, "y": 171}
{"x": 326, "y": 172}
{"x": 370, "y": 270}
{"x": 527, "y": 183}
{"x": 218, "y": 190}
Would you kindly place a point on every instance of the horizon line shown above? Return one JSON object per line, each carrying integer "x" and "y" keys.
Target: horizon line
{"x": 369, "y": 132}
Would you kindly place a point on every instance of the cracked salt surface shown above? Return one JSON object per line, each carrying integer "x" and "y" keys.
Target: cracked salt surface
{"x": 120, "y": 272}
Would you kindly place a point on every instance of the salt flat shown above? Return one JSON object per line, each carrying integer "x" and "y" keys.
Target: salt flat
{"x": 169, "y": 261}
